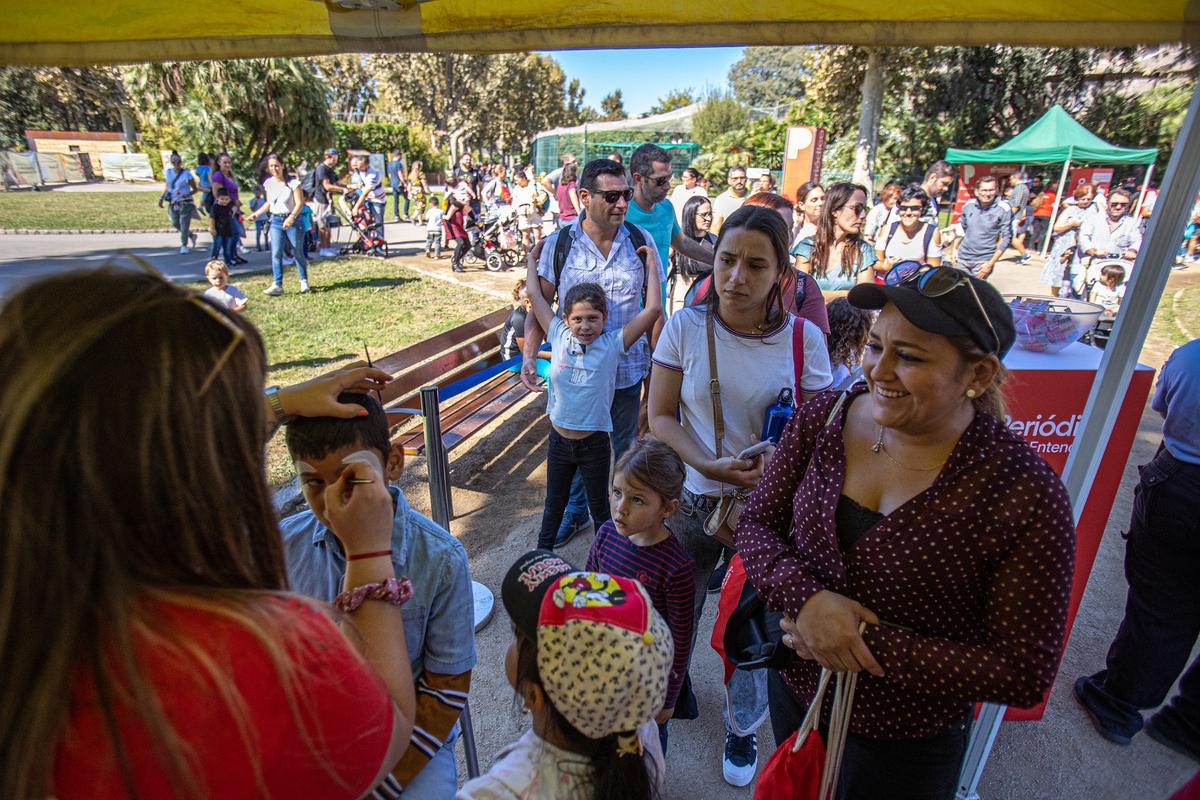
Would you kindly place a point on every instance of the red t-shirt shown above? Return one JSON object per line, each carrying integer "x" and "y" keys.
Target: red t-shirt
{"x": 345, "y": 707}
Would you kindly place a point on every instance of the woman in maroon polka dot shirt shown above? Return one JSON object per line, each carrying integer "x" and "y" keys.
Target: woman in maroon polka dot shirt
{"x": 916, "y": 511}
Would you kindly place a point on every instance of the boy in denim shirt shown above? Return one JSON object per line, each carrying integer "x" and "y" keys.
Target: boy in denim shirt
{"x": 439, "y": 620}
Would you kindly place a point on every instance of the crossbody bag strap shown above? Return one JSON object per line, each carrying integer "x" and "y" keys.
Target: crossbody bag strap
{"x": 714, "y": 385}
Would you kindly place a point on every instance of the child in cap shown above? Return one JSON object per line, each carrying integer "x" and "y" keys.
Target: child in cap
{"x": 636, "y": 543}
{"x": 590, "y": 660}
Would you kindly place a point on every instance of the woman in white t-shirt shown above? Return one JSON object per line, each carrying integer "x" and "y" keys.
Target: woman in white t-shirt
{"x": 760, "y": 350}
{"x": 529, "y": 213}
{"x": 284, "y": 202}
{"x": 910, "y": 239}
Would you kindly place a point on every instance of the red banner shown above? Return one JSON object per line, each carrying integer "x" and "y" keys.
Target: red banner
{"x": 1099, "y": 177}
{"x": 969, "y": 174}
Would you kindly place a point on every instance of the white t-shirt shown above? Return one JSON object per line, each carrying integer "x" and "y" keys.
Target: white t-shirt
{"x": 179, "y": 185}
{"x": 875, "y": 219}
{"x": 279, "y": 195}
{"x": 533, "y": 769}
{"x": 901, "y": 248}
{"x": 1109, "y": 298}
{"x": 433, "y": 220}
{"x": 228, "y": 297}
{"x": 751, "y": 369}
{"x": 371, "y": 182}
{"x": 725, "y": 204}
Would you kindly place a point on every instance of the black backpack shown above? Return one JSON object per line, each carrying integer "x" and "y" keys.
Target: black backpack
{"x": 565, "y": 240}
{"x": 929, "y": 231}
{"x": 308, "y": 184}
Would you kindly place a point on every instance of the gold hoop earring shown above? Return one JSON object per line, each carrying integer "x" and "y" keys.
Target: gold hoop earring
{"x": 971, "y": 393}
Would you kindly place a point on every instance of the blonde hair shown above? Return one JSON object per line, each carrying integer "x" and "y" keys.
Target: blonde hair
{"x": 111, "y": 507}
{"x": 215, "y": 267}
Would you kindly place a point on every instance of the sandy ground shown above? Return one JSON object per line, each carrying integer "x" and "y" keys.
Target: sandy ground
{"x": 498, "y": 482}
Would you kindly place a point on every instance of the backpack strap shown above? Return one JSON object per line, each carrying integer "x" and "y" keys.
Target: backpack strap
{"x": 930, "y": 229}
{"x": 562, "y": 246}
{"x": 891, "y": 232}
{"x": 798, "y": 353}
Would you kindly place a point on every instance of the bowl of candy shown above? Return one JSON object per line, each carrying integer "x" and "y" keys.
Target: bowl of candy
{"x": 1049, "y": 324}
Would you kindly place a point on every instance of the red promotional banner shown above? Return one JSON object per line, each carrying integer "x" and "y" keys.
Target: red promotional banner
{"x": 1099, "y": 177}
{"x": 802, "y": 157}
{"x": 968, "y": 174}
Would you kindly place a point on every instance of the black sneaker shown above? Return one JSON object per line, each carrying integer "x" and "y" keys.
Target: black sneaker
{"x": 717, "y": 578}
{"x": 1116, "y": 737}
{"x": 572, "y": 527}
{"x": 1160, "y": 730}
{"x": 741, "y": 758}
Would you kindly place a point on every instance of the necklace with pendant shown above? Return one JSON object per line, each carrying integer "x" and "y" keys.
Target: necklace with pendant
{"x": 880, "y": 447}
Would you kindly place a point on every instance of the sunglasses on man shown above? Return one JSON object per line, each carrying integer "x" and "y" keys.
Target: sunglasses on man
{"x": 659, "y": 182}
{"x": 613, "y": 196}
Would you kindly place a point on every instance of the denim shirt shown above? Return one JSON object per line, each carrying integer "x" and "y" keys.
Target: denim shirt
{"x": 439, "y": 620}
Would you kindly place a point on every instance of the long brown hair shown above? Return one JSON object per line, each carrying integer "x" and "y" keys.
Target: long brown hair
{"x": 836, "y": 198}
{"x": 768, "y": 222}
{"x": 123, "y": 485}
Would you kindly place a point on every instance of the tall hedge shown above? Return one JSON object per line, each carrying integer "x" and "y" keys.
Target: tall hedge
{"x": 384, "y": 137}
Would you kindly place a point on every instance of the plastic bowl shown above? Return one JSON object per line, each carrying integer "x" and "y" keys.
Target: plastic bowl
{"x": 1049, "y": 324}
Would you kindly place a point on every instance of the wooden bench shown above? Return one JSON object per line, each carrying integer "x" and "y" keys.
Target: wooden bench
{"x": 445, "y": 389}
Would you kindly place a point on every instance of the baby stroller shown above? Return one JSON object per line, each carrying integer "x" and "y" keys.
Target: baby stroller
{"x": 368, "y": 238}
{"x": 496, "y": 240}
{"x": 1084, "y": 288}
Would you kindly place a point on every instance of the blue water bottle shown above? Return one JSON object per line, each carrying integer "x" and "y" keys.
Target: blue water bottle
{"x": 778, "y": 414}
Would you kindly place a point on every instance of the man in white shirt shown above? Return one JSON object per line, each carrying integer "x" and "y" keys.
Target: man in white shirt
{"x": 1116, "y": 235}
{"x": 685, "y": 191}
{"x": 731, "y": 199}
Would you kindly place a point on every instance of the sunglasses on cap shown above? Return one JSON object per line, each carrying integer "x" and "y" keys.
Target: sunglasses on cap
{"x": 937, "y": 281}
{"x": 613, "y": 196}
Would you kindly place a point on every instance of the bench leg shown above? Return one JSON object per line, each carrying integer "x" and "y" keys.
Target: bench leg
{"x": 436, "y": 458}
{"x": 468, "y": 737}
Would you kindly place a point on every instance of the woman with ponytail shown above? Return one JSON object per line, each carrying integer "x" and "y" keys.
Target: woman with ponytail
{"x": 590, "y": 660}
{"x": 760, "y": 350}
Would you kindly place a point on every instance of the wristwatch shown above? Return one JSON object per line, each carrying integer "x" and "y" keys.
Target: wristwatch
{"x": 272, "y": 394}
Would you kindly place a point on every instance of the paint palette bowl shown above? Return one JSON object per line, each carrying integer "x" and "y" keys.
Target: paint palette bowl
{"x": 1049, "y": 324}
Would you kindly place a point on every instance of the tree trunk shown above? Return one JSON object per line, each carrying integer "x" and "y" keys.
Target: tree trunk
{"x": 128, "y": 126}
{"x": 868, "y": 118}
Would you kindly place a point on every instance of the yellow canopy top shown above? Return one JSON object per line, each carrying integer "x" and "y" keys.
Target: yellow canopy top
{"x": 82, "y": 32}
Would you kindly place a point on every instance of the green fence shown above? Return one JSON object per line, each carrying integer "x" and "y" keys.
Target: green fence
{"x": 547, "y": 151}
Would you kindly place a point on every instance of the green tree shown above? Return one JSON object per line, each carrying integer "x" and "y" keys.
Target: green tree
{"x": 575, "y": 112}
{"x": 759, "y": 143}
{"x": 59, "y": 98}
{"x": 719, "y": 113}
{"x": 1151, "y": 119}
{"x": 769, "y": 76}
{"x": 349, "y": 84}
{"x": 676, "y": 98}
{"x": 250, "y": 107}
{"x": 612, "y": 107}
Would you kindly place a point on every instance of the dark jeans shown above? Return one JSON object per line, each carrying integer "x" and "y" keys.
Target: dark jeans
{"x": 898, "y": 769}
{"x": 688, "y": 526}
{"x": 225, "y": 247}
{"x": 262, "y": 233}
{"x": 396, "y": 195}
{"x": 1162, "y": 609}
{"x": 564, "y": 456}
{"x": 461, "y": 244}
{"x": 624, "y": 415}
{"x": 377, "y": 213}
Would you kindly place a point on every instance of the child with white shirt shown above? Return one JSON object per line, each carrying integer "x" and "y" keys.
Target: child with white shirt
{"x": 1110, "y": 289}
{"x": 583, "y": 368}
{"x": 222, "y": 292}
{"x": 433, "y": 232}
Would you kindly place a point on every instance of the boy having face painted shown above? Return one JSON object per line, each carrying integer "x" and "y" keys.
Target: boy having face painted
{"x": 439, "y": 622}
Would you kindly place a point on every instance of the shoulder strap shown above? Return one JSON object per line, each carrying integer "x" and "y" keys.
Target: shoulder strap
{"x": 714, "y": 385}
{"x": 930, "y": 228}
{"x": 891, "y": 232}
{"x": 639, "y": 241}
{"x": 562, "y": 246}
{"x": 798, "y": 352}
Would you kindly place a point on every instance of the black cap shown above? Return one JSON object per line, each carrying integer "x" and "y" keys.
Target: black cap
{"x": 954, "y": 313}
{"x": 526, "y": 584}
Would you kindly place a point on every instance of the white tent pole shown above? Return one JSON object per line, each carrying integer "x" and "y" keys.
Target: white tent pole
{"x": 1062, "y": 182}
{"x": 1145, "y": 187}
{"x": 1145, "y": 287}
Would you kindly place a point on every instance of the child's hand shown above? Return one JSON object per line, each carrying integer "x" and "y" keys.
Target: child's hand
{"x": 665, "y": 715}
{"x": 360, "y": 513}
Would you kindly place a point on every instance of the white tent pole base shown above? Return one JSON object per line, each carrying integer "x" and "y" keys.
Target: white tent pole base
{"x": 983, "y": 736}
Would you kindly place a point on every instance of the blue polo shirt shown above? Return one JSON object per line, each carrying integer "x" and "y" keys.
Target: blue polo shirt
{"x": 1178, "y": 400}
{"x": 439, "y": 620}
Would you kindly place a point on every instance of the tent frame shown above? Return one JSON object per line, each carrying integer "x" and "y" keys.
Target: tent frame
{"x": 1146, "y": 285}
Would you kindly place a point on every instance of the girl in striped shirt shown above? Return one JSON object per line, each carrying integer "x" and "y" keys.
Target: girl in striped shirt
{"x": 636, "y": 543}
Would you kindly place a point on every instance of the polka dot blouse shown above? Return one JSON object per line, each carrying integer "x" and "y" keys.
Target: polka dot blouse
{"x": 976, "y": 570}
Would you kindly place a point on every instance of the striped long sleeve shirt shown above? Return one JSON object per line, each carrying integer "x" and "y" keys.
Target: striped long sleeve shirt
{"x": 665, "y": 569}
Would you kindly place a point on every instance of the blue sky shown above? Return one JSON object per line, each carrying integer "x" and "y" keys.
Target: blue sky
{"x": 644, "y": 75}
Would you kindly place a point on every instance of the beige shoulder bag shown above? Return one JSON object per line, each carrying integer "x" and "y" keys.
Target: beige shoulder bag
{"x": 722, "y": 521}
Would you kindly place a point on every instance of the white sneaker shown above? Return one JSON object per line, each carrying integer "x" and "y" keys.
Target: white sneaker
{"x": 741, "y": 758}
{"x": 303, "y": 287}
{"x": 329, "y": 252}
{"x": 274, "y": 290}
{"x": 241, "y": 248}
{"x": 183, "y": 251}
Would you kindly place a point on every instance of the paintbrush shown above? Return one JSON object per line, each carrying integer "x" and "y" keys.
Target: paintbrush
{"x": 370, "y": 363}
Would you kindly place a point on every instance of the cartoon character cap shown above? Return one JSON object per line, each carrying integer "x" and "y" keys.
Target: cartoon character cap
{"x": 604, "y": 653}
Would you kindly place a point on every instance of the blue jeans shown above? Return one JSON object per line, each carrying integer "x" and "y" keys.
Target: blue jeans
{"x": 261, "y": 233}
{"x": 438, "y": 780}
{"x": 377, "y": 212}
{"x": 396, "y": 195}
{"x": 292, "y": 235}
{"x": 225, "y": 247}
{"x": 624, "y": 412}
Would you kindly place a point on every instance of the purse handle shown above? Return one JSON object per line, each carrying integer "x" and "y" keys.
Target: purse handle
{"x": 714, "y": 384}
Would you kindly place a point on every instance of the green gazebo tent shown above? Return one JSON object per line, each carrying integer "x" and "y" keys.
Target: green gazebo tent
{"x": 1056, "y": 138}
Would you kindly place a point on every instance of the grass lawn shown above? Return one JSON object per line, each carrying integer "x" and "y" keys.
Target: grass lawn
{"x": 1178, "y": 317}
{"x": 353, "y": 302}
{"x": 133, "y": 211}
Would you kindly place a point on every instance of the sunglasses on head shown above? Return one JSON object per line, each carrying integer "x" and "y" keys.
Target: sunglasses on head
{"x": 614, "y": 195}
{"x": 937, "y": 281}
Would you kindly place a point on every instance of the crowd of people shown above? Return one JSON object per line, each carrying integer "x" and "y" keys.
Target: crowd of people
{"x": 825, "y": 415}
